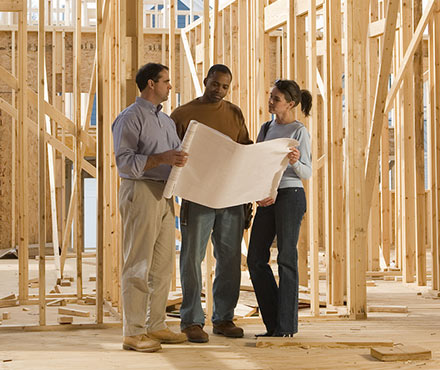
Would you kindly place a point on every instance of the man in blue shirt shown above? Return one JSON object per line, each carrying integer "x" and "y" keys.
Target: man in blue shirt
{"x": 146, "y": 146}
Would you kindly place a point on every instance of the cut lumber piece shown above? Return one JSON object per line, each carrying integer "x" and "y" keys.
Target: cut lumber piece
{"x": 400, "y": 353}
{"x": 242, "y": 310}
{"x": 90, "y": 300}
{"x": 33, "y": 281}
{"x": 247, "y": 288}
{"x": 8, "y": 303}
{"x": 56, "y": 289}
{"x": 65, "y": 282}
{"x": 320, "y": 342}
{"x": 331, "y": 312}
{"x": 383, "y": 273}
{"x": 6, "y": 315}
{"x": 305, "y": 298}
{"x": 92, "y": 278}
{"x": 389, "y": 278}
{"x": 371, "y": 283}
{"x": 65, "y": 319}
{"x": 57, "y": 302}
{"x": 174, "y": 298}
{"x": 379, "y": 308}
{"x": 8, "y": 297}
{"x": 73, "y": 312}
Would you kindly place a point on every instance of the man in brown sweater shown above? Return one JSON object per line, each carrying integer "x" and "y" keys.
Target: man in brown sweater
{"x": 197, "y": 221}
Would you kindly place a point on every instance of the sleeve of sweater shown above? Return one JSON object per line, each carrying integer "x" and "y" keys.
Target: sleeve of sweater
{"x": 303, "y": 167}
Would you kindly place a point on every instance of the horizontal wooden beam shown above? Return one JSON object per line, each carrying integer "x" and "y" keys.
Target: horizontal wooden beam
{"x": 11, "y": 5}
{"x": 275, "y": 15}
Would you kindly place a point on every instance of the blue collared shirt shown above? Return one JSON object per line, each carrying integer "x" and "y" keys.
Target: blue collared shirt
{"x": 140, "y": 130}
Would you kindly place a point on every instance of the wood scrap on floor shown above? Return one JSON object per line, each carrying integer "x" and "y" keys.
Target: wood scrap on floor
{"x": 56, "y": 289}
{"x": 383, "y": 308}
{"x": 174, "y": 298}
{"x": 57, "y": 302}
{"x": 242, "y": 310}
{"x": 8, "y": 297}
{"x": 6, "y": 315}
{"x": 400, "y": 353}
{"x": 8, "y": 303}
{"x": 321, "y": 342}
{"x": 305, "y": 298}
{"x": 73, "y": 312}
{"x": 65, "y": 320}
{"x": 90, "y": 300}
{"x": 65, "y": 282}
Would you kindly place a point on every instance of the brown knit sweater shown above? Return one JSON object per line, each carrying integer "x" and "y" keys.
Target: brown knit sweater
{"x": 222, "y": 116}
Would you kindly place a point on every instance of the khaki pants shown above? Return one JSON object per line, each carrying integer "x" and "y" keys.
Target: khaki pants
{"x": 148, "y": 254}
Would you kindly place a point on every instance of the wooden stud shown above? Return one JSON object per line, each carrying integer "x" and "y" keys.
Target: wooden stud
{"x": 312, "y": 183}
{"x": 436, "y": 123}
{"x": 419, "y": 152}
{"x": 338, "y": 243}
{"x": 23, "y": 227}
{"x": 100, "y": 29}
{"x": 356, "y": 27}
{"x": 172, "y": 50}
{"x": 41, "y": 164}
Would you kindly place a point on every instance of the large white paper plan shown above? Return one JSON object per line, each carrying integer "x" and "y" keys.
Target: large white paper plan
{"x": 222, "y": 173}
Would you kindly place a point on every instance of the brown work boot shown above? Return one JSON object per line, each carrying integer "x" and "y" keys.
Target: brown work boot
{"x": 196, "y": 334}
{"x": 140, "y": 343}
{"x": 167, "y": 336}
{"x": 228, "y": 329}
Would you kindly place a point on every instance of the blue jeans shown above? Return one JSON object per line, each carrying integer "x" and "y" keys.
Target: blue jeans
{"x": 278, "y": 304}
{"x": 227, "y": 225}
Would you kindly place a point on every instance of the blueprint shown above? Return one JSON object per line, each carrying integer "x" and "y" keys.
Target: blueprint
{"x": 222, "y": 173}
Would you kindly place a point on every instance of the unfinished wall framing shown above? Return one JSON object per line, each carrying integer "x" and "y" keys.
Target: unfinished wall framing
{"x": 373, "y": 199}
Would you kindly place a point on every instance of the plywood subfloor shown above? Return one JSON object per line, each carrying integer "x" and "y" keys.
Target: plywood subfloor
{"x": 101, "y": 348}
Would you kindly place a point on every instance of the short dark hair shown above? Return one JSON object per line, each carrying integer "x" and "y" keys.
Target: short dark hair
{"x": 149, "y": 71}
{"x": 219, "y": 68}
{"x": 292, "y": 92}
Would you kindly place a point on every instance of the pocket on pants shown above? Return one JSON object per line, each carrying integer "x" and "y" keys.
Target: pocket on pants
{"x": 126, "y": 191}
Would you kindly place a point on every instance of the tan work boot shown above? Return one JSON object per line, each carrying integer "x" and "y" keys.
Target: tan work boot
{"x": 167, "y": 336}
{"x": 141, "y": 343}
{"x": 196, "y": 334}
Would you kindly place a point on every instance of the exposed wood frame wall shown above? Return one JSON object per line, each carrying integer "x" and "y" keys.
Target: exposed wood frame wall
{"x": 351, "y": 163}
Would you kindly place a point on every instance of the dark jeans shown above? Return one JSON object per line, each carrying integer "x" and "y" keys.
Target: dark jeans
{"x": 278, "y": 304}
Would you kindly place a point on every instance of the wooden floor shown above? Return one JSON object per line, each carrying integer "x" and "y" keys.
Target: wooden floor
{"x": 101, "y": 348}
